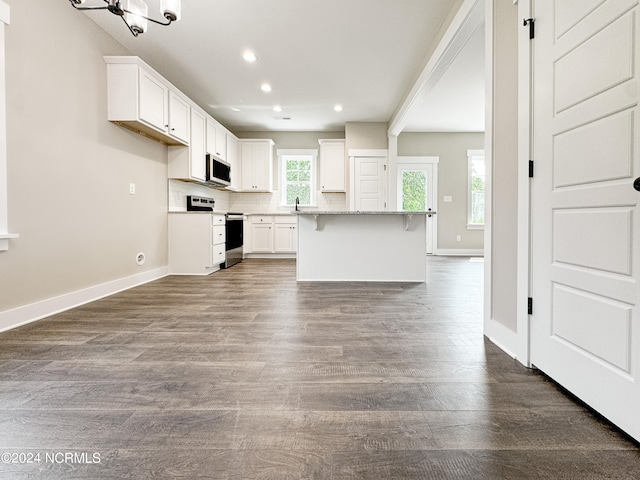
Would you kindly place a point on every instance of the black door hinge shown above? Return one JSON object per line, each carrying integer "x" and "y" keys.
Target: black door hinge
{"x": 530, "y": 168}
{"x": 532, "y": 28}
{"x": 530, "y": 306}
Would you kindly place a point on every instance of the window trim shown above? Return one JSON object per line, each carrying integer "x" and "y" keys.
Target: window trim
{"x": 470, "y": 155}
{"x": 283, "y": 153}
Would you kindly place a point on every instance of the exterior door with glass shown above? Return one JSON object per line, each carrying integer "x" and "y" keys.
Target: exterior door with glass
{"x": 417, "y": 191}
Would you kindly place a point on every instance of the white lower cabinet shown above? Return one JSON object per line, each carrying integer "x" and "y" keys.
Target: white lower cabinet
{"x": 196, "y": 243}
{"x": 285, "y": 234}
{"x": 261, "y": 234}
{"x": 271, "y": 234}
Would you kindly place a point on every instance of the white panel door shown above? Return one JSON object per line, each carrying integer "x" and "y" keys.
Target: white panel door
{"x": 370, "y": 182}
{"x": 585, "y": 327}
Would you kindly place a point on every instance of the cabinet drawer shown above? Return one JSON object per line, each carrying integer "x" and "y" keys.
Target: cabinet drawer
{"x": 261, "y": 219}
{"x": 289, "y": 219}
{"x": 219, "y": 234}
{"x": 218, "y": 254}
{"x": 217, "y": 220}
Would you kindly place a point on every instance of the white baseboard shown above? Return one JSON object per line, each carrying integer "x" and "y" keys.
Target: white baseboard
{"x": 462, "y": 252}
{"x": 269, "y": 255}
{"x": 505, "y": 339}
{"x": 35, "y": 311}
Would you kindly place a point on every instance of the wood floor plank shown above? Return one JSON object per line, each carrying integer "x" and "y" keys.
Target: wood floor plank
{"x": 247, "y": 374}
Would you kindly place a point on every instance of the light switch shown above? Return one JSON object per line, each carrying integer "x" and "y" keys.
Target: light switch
{"x": 132, "y": 188}
{"x": 448, "y": 199}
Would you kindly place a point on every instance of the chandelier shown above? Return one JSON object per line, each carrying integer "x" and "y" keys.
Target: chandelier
{"x": 134, "y": 12}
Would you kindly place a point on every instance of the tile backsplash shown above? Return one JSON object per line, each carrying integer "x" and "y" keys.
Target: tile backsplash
{"x": 269, "y": 202}
{"x": 244, "y": 202}
{"x": 179, "y": 190}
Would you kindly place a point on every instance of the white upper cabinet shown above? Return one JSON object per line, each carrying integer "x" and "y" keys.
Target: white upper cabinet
{"x": 332, "y": 166}
{"x": 178, "y": 117}
{"x": 256, "y": 164}
{"x": 153, "y": 101}
{"x": 232, "y": 159}
{"x": 189, "y": 163}
{"x": 216, "y": 140}
{"x": 197, "y": 154}
{"x": 221, "y": 143}
{"x": 142, "y": 100}
{"x": 211, "y": 136}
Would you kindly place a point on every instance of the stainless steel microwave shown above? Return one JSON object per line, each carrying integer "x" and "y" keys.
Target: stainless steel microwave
{"x": 218, "y": 171}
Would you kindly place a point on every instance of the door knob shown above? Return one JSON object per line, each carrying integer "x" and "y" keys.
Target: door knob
{"x": 636, "y": 184}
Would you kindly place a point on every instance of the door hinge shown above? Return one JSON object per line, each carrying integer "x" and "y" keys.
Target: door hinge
{"x": 530, "y": 168}
{"x": 385, "y": 168}
{"x": 532, "y": 28}
{"x": 530, "y": 306}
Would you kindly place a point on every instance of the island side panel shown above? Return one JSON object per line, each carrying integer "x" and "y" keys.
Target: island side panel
{"x": 365, "y": 247}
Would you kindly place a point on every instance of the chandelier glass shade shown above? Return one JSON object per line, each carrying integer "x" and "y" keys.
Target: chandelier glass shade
{"x": 135, "y": 13}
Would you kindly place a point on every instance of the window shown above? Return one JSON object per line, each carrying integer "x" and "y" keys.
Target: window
{"x": 414, "y": 191}
{"x": 297, "y": 169}
{"x": 476, "y": 188}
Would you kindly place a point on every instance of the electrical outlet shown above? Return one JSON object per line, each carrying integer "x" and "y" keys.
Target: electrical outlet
{"x": 132, "y": 188}
{"x": 458, "y": 238}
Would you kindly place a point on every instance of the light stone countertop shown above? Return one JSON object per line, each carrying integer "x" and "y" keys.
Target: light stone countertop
{"x": 199, "y": 212}
{"x": 270, "y": 214}
{"x": 357, "y": 212}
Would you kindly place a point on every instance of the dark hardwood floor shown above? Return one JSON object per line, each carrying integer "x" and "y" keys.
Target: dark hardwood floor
{"x": 246, "y": 374}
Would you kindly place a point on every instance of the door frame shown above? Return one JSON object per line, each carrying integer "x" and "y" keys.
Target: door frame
{"x": 422, "y": 161}
{"x": 513, "y": 343}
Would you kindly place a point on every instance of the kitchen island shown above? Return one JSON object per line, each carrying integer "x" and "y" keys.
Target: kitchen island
{"x": 362, "y": 246}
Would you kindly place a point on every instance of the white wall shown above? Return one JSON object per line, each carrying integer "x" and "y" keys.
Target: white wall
{"x": 69, "y": 169}
{"x": 504, "y": 170}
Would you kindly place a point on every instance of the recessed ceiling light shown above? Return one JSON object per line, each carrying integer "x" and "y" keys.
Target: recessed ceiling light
{"x": 249, "y": 56}
{"x": 338, "y": 108}
{"x": 265, "y": 87}
{"x": 277, "y": 108}
{"x": 235, "y": 109}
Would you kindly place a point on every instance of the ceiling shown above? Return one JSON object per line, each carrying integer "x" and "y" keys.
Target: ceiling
{"x": 364, "y": 55}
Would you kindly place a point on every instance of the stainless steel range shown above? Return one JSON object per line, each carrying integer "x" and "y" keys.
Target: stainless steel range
{"x": 200, "y": 204}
